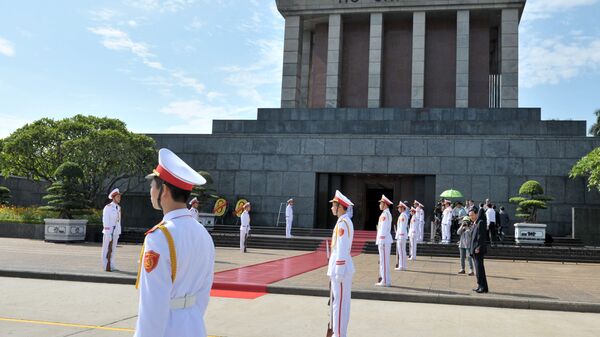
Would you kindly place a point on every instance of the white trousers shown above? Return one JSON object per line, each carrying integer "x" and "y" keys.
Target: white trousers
{"x": 421, "y": 230}
{"x": 340, "y": 306}
{"x": 445, "y": 233}
{"x": 413, "y": 247}
{"x": 105, "y": 243}
{"x": 384, "y": 263}
{"x": 243, "y": 233}
{"x": 401, "y": 251}
{"x": 288, "y": 227}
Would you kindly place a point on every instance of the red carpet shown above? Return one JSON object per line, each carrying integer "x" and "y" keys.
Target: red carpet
{"x": 255, "y": 278}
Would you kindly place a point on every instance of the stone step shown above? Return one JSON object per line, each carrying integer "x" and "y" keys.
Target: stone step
{"x": 398, "y": 114}
{"x": 387, "y": 127}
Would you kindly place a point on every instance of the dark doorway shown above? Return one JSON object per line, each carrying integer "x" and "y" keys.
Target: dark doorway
{"x": 372, "y": 211}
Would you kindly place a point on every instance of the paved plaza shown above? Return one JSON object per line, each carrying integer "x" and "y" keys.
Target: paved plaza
{"x": 36, "y": 308}
{"x": 551, "y": 285}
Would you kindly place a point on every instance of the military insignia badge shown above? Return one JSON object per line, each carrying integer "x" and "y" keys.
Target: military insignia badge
{"x": 150, "y": 260}
{"x": 340, "y": 231}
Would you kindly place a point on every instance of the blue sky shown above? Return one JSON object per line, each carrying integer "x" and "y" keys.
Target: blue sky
{"x": 174, "y": 65}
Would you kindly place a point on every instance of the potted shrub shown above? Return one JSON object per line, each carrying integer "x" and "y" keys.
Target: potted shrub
{"x": 66, "y": 197}
{"x": 531, "y": 200}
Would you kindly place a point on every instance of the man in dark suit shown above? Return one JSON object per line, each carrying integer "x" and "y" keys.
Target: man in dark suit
{"x": 478, "y": 248}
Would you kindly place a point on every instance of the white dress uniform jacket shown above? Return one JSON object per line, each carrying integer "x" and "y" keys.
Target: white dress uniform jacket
{"x": 175, "y": 307}
{"x": 111, "y": 221}
{"x": 244, "y": 228}
{"x": 384, "y": 244}
{"x": 401, "y": 236}
{"x": 340, "y": 270}
{"x": 289, "y": 218}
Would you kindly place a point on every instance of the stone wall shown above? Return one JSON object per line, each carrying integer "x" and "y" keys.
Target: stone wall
{"x": 586, "y": 222}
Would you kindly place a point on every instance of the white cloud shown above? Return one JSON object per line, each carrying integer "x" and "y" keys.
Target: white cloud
{"x": 118, "y": 40}
{"x": 196, "y": 24}
{"x": 132, "y": 23}
{"x": 198, "y": 115}
{"x": 6, "y": 48}
{"x": 550, "y": 61}
{"x": 544, "y": 9}
{"x": 104, "y": 14}
{"x": 162, "y": 5}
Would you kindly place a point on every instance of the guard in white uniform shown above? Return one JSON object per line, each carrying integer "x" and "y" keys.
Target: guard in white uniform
{"x": 245, "y": 226}
{"x": 289, "y": 218}
{"x": 420, "y": 213}
{"x": 177, "y": 261}
{"x": 111, "y": 220}
{"x": 413, "y": 233}
{"x": 341, "y": 269}
{"x": 446, "y": 222}
{"x": 401, "y": 236}
{"x": 194, "y": 203}
{"x": 384, "y": 241}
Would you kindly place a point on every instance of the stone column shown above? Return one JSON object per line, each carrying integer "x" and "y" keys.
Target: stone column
{"x": 305, "y": 67}
{"x": 375, "y": 49}
{"x": 509, "y": 54}
{"x": 418, "y": 60}
{"x": 290, "y": 86}
{"x": 334, "y": 61}
{"x": 462, "y": 59}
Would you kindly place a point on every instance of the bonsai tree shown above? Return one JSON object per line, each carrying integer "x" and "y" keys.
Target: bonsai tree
{"x": 66, "y": 195}
{"x": 4, "y": 195}
{"x": 532, "y": 198}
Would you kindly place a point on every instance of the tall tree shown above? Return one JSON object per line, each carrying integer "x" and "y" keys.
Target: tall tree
{"x": 588, "y": 167}
{"x": 108, "y": 154}
{"x": 595, "y": 129}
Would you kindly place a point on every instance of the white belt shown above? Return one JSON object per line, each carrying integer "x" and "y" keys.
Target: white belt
{"x": 183, "y": 302}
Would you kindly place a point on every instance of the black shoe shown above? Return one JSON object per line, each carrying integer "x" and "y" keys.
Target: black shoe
{"x": 479, "y": 291}
{"x": 476, "y": 289}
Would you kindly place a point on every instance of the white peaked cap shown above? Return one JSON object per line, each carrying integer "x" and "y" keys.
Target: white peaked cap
{"x": 113, "y": 193}
{"x": 194, "y": 200}
{"x": 419, "y": 203}
{"x": 290, "y": 200}
{"x": 246, "y": 205}
{"x": 386, "y": 200}
{"x": 402, "y": 204}
{"x": 341, "y": 199}
{"x": 176, "y": 172}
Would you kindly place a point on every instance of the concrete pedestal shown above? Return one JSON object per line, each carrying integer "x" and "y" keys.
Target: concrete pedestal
{"x": 64, "y": 230}
{"x": 530, "y": 233}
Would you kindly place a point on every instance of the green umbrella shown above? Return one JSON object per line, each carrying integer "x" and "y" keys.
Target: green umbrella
{"x": 451, "y": 194}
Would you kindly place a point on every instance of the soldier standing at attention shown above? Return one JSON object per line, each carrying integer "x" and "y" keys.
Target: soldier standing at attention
{"x": 245, "y": 226}
{"x": 413, "y": 233}
{"x": 289, "y": 218}
{"x": 194, "y": 203}
{"x": 177, "y": 261}
{"x": 341, "y": 269}
{"x": 111, "y": 220}
{"x": 420, "y": 213}
{"x": 446, "y": 222}
{"x": 384, "y": 241}
{"x": 401, "y": 235}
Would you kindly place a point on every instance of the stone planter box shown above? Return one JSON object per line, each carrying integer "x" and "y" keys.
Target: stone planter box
{"x": 22, "y": 230}
{"x": 207, "y": 219}
{"x": 64, "y": 230}
{"x": 530, "y": 233}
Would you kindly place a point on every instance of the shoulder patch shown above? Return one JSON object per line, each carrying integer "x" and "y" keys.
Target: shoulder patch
{"x": 150, "y": 260}
{"x": 341, "y": 231}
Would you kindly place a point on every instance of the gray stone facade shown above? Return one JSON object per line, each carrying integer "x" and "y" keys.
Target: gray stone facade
{"x": 271, "y": 166}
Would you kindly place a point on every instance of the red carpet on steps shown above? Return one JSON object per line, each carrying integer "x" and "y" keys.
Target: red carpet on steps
{"x": 251, "y": 281}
